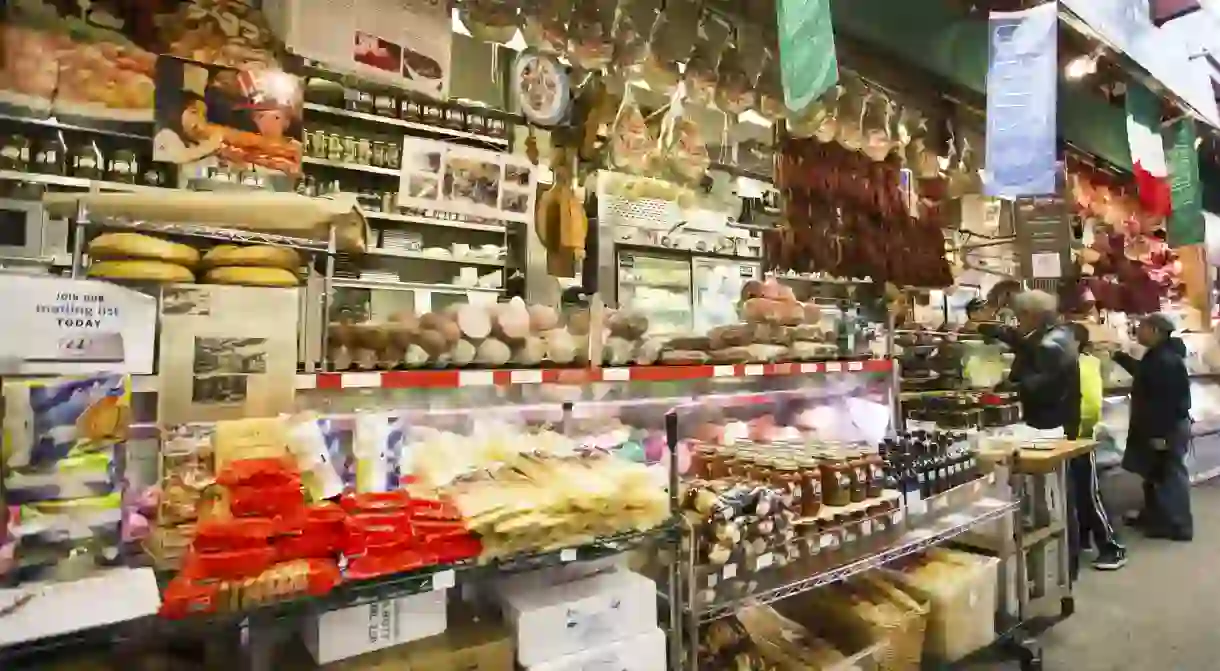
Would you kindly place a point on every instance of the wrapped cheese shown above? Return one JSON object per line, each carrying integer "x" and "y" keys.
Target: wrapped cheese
{"x": 734, "y": 89}
{"x": 670, "y": 42}
{"x": 632, "y": 27}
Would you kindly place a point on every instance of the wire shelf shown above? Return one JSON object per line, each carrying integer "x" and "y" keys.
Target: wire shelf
{"x": 211, "y": 233}
{"x": 881, "y": 549}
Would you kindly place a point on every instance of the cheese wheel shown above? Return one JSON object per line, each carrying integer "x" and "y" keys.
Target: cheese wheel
{"x": 262, "y": 256}
{"x": 112, "y": 246}
{"x": 149, "y": 271}
{"x": 254, "y": 277}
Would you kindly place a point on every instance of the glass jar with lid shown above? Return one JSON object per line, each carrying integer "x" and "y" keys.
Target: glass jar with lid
{"x": 15, "y": 152}
{"x": 875, "y": 468}
{"x": 786, "y": 479}
{"x": 702, "y": 455}
{"x": 811, "y": 483}
{"x": 836, "y": 480}
{"x": 123, "y": 167}
{"x": 857, "y": 472}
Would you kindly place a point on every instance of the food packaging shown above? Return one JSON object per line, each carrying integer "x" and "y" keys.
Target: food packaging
{"x": 632, "y": 27}
{"x": 670, "y": 42}
{"x": 314, "y": 444}
{"x": 632, "y": 145}
{"x": 545, "y": 25}
{"x": 266, "y": 500}
{"x": 701, "y": 75}
{"x": 224, "y": 535}
{"x": 591, "y": 33}
{"x": 734, "y": 84}
{"x": 685, "y": 153}
{"x": 771, "y": 88}
{"x": 491, "y": 20}
{"x": 377, "y": 448}
{"x": 267, "y": 472}
{"x": 47, "y": 421}
{"x": 230, "y": 564}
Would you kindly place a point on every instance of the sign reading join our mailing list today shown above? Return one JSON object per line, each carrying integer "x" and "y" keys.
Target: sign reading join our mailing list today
{"x": 56, "y": 326}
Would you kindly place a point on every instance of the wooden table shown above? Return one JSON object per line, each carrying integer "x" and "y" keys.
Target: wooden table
{"x": 1043, "y": 461}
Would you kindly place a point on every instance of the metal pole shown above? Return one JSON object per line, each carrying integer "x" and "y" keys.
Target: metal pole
{"x": 79, "y": 222}
{"x": 678, "y": 603}
{"x": 327, "y": 287}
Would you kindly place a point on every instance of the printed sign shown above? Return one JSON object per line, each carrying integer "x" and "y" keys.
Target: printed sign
{"x": 1022, "y": 78}
{"x": 56, "y": 326}
{"x": 808, "y": 64}
{"x": 1185, "y": 225}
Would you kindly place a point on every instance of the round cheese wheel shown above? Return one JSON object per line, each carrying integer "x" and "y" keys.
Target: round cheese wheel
{"x": 148, "y": 271}
{"x": 262, "y": 256}
{"x": 250, "y": 276}
{"x": 111, "y": 246}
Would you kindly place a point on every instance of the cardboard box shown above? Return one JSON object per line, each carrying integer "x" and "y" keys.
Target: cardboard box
{"x": 348, "y": 632}
{"x": 567, "y": 618}
{"x": 643, "y": 652}
{"x": 470, "y": 647}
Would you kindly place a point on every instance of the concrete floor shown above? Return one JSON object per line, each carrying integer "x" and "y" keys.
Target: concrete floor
{"x": 1159, "y": 613}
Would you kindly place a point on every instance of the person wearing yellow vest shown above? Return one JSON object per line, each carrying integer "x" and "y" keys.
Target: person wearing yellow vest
{"x": 1091, "y": 517}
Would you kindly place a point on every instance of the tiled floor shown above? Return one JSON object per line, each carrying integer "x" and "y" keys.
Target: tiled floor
{"x": 1160, "y": 613}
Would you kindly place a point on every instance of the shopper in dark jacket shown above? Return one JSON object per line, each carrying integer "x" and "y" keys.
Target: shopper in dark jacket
{"x": 1159, "y": 433}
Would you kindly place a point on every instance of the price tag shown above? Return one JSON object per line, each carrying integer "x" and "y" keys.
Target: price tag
{"x": 849, "y": 537}
{"x": 713, "y": 580}
{"x": 829, "y": 541}
{"x": 730, "y": 571}
{"x": 896, "y": 517}
{"x": 443, "y": 579}
{"x": 765, "y": 560}
{"x": 855, "y": 365}
{"x": 866, "y": 528}
{"x": 567, "y": 555}
{"x": 834, "y": 367}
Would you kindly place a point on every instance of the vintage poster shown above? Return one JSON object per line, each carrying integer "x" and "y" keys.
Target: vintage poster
{"x": 404, "y": 43}
{"x": 454, "y": 178}
{"x": 209, "y": 116}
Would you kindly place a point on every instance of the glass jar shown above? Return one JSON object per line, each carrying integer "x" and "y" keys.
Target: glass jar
{"x": 718, "y": 464}
{"x": 811, "y": 485}
{"x": 875, "y": 468}
{"x": 334, "y": 147}
{"x": 392, "y": 153}
{"x": 385, "y": 105}
{"x": 364, "y": 151}
{"x": 350, "y": 145}
{"x": 123, "y": 167}
{"x": 377, "y": 154}
{"x": 48, "y": 157}
{"x": 455, "y": 118}
{"x": 836, "y": 481}
{"x": 857, "y": 473}
{"x": 411, "y": 110}
{"x": 702, "y": 455}
{"x": 786, "y": 478}
{"x": 15, "y": 153}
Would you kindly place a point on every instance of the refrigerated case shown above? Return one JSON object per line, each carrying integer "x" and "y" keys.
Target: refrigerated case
{"x": 716, "y": 289}
{"x": 658, "y": 286}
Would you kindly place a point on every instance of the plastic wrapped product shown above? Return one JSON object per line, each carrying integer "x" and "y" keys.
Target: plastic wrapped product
{"x": 670, "y": 42}
{"x": 49, "y": 421}
{"x": 632, "y": 26}
{"x": 685, "y": 152}
{"x": 491, "y": 20}
{"x": 734, "y": 85}
{"x": 314, "y": 444}
{"x": 377, "y": 445}
{"x": 545, "y": 25}
{"x": 701, "y": 70}
{"x": 771, "y": 88}
{"x": 591, "y": 34}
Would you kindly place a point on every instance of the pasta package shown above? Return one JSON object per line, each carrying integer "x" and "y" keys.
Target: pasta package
{"x": 315, "y": 446}
{"x": 632, "y": 145}
{"x": 46, "y": 422}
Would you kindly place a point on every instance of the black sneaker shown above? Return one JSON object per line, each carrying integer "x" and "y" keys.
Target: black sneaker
{"x": 1111, "y": 558}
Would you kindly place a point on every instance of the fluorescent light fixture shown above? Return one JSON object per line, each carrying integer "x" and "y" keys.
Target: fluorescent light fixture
{"x": 458, "y": 27}
{"x": 1080, "y": 67}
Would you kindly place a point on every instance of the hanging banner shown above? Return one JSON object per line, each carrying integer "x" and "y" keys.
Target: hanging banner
{"x": 806, "y": 50}
{"x": 1147, "y": 149}
{"x": 1186, "y": 225}
{"x": 1022, "y": 78}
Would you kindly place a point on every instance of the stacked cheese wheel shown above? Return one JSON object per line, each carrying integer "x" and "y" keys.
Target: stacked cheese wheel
{"x": 145, "y": 258}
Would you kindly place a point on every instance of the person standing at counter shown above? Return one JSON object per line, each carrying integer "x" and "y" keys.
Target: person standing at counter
{"x": 1159, "y": 432}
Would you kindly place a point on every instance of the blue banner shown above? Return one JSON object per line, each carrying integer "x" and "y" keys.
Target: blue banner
{"x": 1022, "y": 77}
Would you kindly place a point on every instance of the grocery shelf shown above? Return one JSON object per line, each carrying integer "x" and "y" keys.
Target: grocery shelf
{"x": 73, "y": 182}
{"x": 453, "y": 378}
{"x": 877, "y": 550}
{"x": 391, "y": 121}
{"x": 387, "y": 285}
{"x": 345, "y": 595}
{"x": 432, "y": 221}
{"x": 210, "y": 232}
{"x": 420, "y": 256}
{"x": 310, "y": 160}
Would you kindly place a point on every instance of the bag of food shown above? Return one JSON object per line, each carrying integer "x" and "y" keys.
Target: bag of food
{"x": 734, "y": 85}
{"x": 701, "y": 70}
{"x": 685, "y": 153}
{"x": 672, "y": 38}
{"x": 545, "y": 25}
{"x": 491, "y": 20}
{"x": 591, "y": 33}
{"x": 632, "y": 26}
{"x": 771, "y": 88}
{"x": 632, "y": 145}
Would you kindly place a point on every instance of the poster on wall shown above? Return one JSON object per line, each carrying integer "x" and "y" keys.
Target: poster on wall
{"x": 209, "y": 116}
{"x": 405, "y": 43}
{"x": 1022, "y": 77}
{"x": 226, "y": 352}
{"x": 808, "y": 64}
{"x": 1185, "y": 223}
{"x": 475, "y": 182}
{"x": 92, "y": 62}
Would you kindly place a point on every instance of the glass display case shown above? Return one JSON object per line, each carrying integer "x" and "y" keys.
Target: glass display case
{"x": 657, "y": 286}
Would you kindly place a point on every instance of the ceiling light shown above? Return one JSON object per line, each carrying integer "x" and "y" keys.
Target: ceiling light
{"x": 1081, "y": 67}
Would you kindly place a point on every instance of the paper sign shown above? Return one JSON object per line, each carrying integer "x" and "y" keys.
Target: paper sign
{"x": 444, "y": 579}
{"x": 56, "y": 326}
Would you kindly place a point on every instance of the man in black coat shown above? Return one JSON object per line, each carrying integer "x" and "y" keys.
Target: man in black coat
{"x": 1159, "y": 432}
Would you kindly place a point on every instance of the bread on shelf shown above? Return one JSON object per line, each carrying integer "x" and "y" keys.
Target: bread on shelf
{"x": 252, "y": 276}
{"x": 140, "y": 270}
{"x": 260, "y": 256}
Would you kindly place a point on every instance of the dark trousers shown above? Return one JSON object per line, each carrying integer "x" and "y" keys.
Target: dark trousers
{"x": 1087, "y": 520}
{"x": 1167, "y": 489}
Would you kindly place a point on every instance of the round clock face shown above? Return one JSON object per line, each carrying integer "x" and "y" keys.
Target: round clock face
{"x": 541, "y": 85}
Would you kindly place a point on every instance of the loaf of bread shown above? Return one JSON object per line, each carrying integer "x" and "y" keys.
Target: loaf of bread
{"x": 147, "y": 271}
{"x": 112, "y": 246}
{"x": 261, "y": 256}
{"x": 251, "y": 276}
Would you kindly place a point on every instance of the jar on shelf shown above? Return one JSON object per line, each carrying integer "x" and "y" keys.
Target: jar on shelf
{"x": 836, "y": 480}
{"x": 455, "y": 118}
{"x": 785, "y": 477}
{"x": 123, "y": 167}
{"x": 411, "y": 110}
{"x": 385, "y": 104}
{"x": 857, "y": 473}
{"x": 875, "y": 469}
{"x": 377, "y": 153}
{"x": 350, "y": 145}
{"x": 15, "y": 153}
{"x": 334, "y": 147}
{"x": 811, "y": 484}
{"x": 48, "y": 157}
{"x": 364, "y": 151}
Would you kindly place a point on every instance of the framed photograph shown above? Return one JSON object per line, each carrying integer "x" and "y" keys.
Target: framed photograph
{"x": 454, "y": 178}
